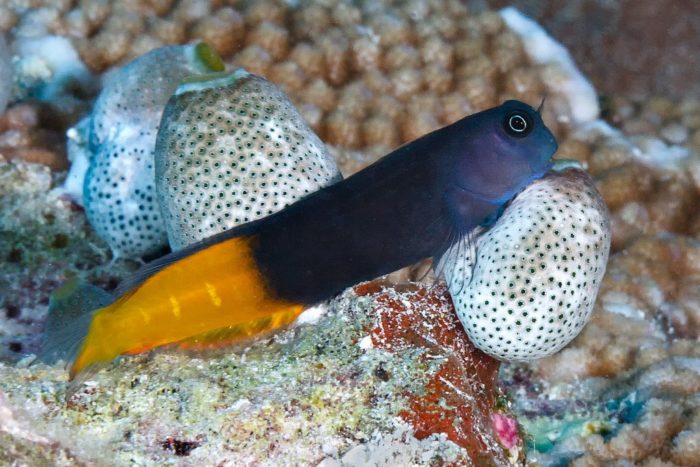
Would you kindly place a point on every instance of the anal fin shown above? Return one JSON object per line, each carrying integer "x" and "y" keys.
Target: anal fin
{"x": 240, "y": 332}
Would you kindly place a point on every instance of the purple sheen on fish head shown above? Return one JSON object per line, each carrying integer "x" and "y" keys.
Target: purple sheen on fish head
{"x": 509, "y": 146}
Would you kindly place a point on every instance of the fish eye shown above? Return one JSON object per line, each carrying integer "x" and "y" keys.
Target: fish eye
{"x": 518, "y": 124}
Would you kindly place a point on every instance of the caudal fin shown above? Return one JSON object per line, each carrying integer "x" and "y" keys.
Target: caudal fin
{"x": 71, "y": 308}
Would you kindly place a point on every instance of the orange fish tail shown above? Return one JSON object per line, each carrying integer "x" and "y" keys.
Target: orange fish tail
{"x": 96, "y": 348}
{"x": 214, "y": 296}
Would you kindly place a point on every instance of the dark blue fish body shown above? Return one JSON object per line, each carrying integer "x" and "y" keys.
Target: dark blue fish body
{"x": 389, "y": 215}
{"x": 410, "y": 205}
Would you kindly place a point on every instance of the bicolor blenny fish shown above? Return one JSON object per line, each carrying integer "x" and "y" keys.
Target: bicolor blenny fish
{"x": 412, "y": 204}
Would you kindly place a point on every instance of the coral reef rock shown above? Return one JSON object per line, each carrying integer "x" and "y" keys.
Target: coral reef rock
{"x": 232, "y": 149}
{"x": 365, "y": 75}
{"x": 29, "y": 133}
{"x": 626, "y": 389}
{"x": 368, "y": 76}
{"x": 384, "y": 375}
{"x": 605, "y": 39}
{"x": 49, "y": 68}
{"x": 44, "y": 241}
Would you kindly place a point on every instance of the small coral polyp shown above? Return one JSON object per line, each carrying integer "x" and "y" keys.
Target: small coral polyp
{"x": 119, "y": 141}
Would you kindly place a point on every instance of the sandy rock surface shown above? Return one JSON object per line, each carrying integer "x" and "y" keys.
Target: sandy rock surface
{"x": 383, "y": 375}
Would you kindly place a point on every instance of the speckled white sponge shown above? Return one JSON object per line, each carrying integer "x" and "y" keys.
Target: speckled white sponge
{"x": 233, "y": 149}
{"x": 527, "y": 286}
{"x": 119, "y": 190}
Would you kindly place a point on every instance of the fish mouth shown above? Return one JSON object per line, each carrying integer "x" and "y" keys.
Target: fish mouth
{"x": 510, "y": 191}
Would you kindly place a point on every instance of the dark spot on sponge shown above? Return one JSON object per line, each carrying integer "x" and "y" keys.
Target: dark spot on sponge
{"x": 12, "y": 311}
{"x": 15, "y": 346}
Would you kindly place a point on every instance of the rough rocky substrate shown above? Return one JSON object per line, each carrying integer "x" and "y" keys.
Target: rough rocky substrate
{"x": 366, "y": 75}
{"x": 383, "y": 377}
{"x": 44, "y": 241}
{"x": 627, "y": 388}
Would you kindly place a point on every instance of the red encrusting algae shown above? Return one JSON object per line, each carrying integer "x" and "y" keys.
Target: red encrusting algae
{"x": 460, "y": 398}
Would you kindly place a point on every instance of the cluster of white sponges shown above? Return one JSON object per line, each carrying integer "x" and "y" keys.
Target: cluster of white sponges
{"x": 112, "y": 150}
{"x": 232, "y": 149}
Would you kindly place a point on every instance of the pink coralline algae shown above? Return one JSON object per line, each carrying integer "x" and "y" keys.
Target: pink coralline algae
{"x": 506, "y": 429}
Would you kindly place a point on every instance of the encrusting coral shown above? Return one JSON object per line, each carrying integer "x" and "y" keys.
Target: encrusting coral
{"x": 634, "y": 372}
{"x": 27, "y": 134}
{"x": 422, "y": 54}
{"x": 604, "y": 37}
{"x": 44, "y": 240}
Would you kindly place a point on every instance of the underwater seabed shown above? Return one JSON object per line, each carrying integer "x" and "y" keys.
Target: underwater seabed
{"x": 383, "y": 374}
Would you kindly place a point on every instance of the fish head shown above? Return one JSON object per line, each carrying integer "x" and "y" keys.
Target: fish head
{"x": 508, "y": 147}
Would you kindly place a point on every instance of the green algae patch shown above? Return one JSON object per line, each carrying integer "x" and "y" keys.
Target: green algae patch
{"x": 201, "y": 82}
{"x": 545, "y": 433}
{"x": 208, "y": 58}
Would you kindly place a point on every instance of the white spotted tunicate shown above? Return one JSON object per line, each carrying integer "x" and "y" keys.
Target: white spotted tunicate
{"x": 525, "y": 287}
{"x": 119, "y": 188}
{"x": 232, "y": 149}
